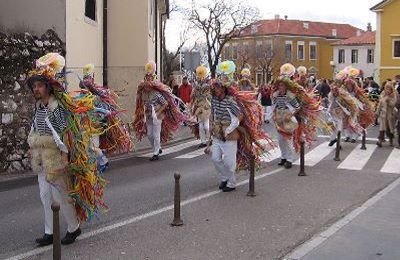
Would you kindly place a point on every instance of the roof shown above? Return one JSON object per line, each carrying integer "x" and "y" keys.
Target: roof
{"x": 380, "y": 5}
{"x": 299, "y": 27}
{"x": 367, "y": 38}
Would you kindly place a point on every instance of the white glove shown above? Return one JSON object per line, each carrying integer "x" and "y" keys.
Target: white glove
{"x": 234, "y": 123}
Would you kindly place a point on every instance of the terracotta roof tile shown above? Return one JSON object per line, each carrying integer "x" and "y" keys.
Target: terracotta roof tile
{"x": 301, "y": 28}
{"x": 364, "y": 39}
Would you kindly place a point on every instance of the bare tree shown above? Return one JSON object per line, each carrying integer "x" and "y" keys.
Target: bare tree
{"x": 219, "y": 22}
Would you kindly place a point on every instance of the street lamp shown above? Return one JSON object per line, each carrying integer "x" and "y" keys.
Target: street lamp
{"x": 333, "y": 65}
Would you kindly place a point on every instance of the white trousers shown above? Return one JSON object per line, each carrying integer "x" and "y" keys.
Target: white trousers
{"x": 338, "y": 122}
{"x": 204, "y": 130}
{"x": 57, "y": 193}
{"x": 224, "y": 159}
{"x": 154, "y": 134}
{"x": 286, "y": 147}
{"x": 268, "y": 113}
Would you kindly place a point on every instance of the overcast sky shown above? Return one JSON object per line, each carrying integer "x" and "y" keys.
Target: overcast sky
{"x": 354, "y": 12}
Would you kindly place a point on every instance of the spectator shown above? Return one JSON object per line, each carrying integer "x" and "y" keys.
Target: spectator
{"x": 397, "y": 83}
{"x": 173, "y": 85}
{"x": 185, "y": 90}
{"x": 324, "y": 88}
{"x": 265, "y": 93}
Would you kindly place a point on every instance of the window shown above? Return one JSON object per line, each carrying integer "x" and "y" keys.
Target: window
{"x": 305, "y": 25}
{"x": 288, "y": 50}
{"x": 334, "y": 32}
{"x": 259, "y": 78}
{"x": 258, "y": 49}
{"x": 234, "y": 51}
{"x": 313, "y": 50}
{"x": 151, "y": 17}
{"x": 245, "y": 49}
{"x": 300, "y": 50}
{"x": 90, "y": 9}
{"x": 341, "y": 57}
{"x": 227, "y": 52}
{"x": 396, "y": 48}
{"x": 268, "y": 49}
{"x": 354, "y": 56}
{"x": 370, "y": 56}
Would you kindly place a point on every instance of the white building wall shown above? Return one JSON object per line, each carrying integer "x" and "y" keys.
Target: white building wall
{"x": 368, "y": 68}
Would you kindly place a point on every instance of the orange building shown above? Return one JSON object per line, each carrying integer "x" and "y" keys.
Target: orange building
{"x": 267, "y": 44}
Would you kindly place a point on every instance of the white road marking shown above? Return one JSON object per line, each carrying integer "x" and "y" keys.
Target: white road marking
{"x": 357, "y": 159}
{"x": 191, "y": 155}
{"x": 392, "y": 164}
{"x": 173, "y": 149}
{"x": 317, "y": 240}
{"x": 135, "y": 219}
{"x": 317, "y": 154}
{"x": 367, "y": 139}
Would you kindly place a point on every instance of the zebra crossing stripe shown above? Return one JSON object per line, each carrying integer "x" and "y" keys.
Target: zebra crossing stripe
{"x": 392, "y": 162}
{"x": 317, "y": 154}
{"x": 191, "y": 155}
{"x": 174, "y": 149}
{"x": 357, "y": 159}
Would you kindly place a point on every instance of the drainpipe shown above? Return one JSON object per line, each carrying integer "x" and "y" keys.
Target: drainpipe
{"x": 105, "y": 45}
{"x": 156, "y": 32}
{"x": 162, "y": 37}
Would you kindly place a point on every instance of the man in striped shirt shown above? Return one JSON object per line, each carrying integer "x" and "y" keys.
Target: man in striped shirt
{"x": 225, "y": 118}
{"x": 49, "y": 156}
{"x": 285, "y": 106}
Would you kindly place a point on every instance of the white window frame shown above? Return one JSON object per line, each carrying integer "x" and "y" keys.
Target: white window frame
{"x": 269, "y": 43}
{"x": 300, "y": 43}
{"x": 259, "y": 73}
{"x": 88, "y": 19}
{"x": 309, "y": 51}
{"x": 291, "y": 49}
{"x": 395, "y": 39}
{"x": 227, "y": 49}
{"x": 356, "y": 58}
{"x": 235, "y": 46}
{"x": 344, "y": 56}
{"x": 371, "y": 60}
{"x": 151, "y": 17}
{"x": 258, "y": 51}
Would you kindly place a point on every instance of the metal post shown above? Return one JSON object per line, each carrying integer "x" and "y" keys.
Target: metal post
{"x": 56, "y": 231}
{"x": 302, "y": 172}
{"x": 363, "y": 146}
{"x": 251, "y": 192}
{"x": 337, "y": 153}
{"x": 177, "y": 202}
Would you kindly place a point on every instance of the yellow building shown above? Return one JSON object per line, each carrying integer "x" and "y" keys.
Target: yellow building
{"x": 267, "y": 44}
{"x": 387, "y": 39}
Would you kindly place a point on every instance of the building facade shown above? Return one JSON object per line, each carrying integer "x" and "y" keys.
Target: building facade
{"x": 267, "y": 44}
{"x": 387, "y": 39}
{"x": 118, "y": 37}
{"x": 358, "y": 52}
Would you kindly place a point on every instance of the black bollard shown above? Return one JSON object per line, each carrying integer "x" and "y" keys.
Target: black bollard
{"x": 363, "y": 146}
{"x": 177, "y": 202}
{"x": 337, "y": 153}
{"x": 302, "y": 159}
{"x": 251, "y": 192}
{"x": 56, "y": 231}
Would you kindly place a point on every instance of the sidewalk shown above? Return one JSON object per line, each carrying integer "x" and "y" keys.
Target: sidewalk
{"x": 14, "y": 180}
{"x": 373, "y": 234}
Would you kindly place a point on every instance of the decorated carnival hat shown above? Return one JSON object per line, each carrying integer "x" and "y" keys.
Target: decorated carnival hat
{"x": 201, "y": 72}
{"x": 150, "y": 69}
{"x": 287, "y": 70}
{"x": 245, "y": 73}
{"x": 226, "y": 70}
{"x": 88, "y": 70}
{"x": 302, "y": 71}
{"x": 47, "y": 68}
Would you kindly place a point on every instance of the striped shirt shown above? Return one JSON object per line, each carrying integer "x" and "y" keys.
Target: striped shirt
{"x": 282, "y": 102}
{"x": 157, "y": 99}
{"x": 220, "y": 108}
{"x": 57, "y": 119}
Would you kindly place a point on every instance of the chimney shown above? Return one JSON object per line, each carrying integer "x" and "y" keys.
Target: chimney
{"x": 369, "y": 27}
{"x": 286, "y": 17}
{"x": 277, "y": 17}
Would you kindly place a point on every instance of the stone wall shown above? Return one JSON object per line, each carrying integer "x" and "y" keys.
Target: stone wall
{"x": 17, "y": 55}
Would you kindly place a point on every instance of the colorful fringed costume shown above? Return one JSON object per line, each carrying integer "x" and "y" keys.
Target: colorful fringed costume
{"x": 115, "y": 138}
{"x": 84, "y": 183}
{"x": 157, "y": 114}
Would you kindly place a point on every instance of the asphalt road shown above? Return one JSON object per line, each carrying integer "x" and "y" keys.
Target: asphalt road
{"x": 287, "y": 211}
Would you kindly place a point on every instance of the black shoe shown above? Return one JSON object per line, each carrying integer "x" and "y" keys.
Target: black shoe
{"x": 347, "y": 139}
{"x": 202, "y": 146}
{"x": 288, "y": 165}
{"x": 222, "y": 184}
{"x": 331, "y": 143}
{"x": 154, "y": 158}
{"x": 353, "y": 141}
{"x": 228, "y": 189}
{"x": 283, "y": 161}
{"x": 45, "y": 240}
{"x": 71, "y": 237}
{"x": 159, "y": 151}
